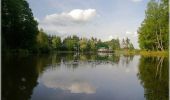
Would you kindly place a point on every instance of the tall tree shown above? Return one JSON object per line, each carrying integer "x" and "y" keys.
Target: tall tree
{"x": 153, "y": 33}
{"x": 19, "y": 29}
{"x": 42, "y": 41}
{"x": 56, "y": 42}
{"x": 83, "y": 44}
{"x": 115, "y": 44}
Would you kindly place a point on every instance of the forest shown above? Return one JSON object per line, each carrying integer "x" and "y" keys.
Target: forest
{"x": 20, "y": 32}
{"x": 46, "y": 43}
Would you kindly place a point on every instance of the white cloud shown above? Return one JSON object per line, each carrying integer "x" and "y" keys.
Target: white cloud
{"x": 68, "y": 22}
{"x": 136, "y": 0}
{"x": 72, "y": 17}
{"x": 129, "y": 33}
{"x": 82, "y": 15}
{"x": 132, "y": 34}
{"x": 113, "y": 37}
{"x": 135, "y": 34}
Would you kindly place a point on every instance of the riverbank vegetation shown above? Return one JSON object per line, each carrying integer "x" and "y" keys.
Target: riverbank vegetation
{"x": 143, "y": 52}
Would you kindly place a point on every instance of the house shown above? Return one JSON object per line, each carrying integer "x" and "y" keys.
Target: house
{"x": 104, "y": 49}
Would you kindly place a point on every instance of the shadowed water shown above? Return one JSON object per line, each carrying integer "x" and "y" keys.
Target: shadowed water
{"x": 84, "y": 77}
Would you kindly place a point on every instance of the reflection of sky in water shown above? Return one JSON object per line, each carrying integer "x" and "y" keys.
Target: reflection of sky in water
{"x": 55, "y": 80}
{"x": 104, "y": 81}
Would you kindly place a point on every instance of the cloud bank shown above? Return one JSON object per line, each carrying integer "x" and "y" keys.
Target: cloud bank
{"x": 68, "y": 22}
{"x": 73, "y": 17}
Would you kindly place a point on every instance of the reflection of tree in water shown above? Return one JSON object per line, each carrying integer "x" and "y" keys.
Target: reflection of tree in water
{"x": 19, "y": 77}
{"x": 115, "y": 58}
{"x": 55, "y": 58}
{"x": 153, "y": 73}
{"x": 89, "y": 59}
{"x": 74, "y": 60}
{"x": 20, "y": 74}
{"x": 126, "y": 59}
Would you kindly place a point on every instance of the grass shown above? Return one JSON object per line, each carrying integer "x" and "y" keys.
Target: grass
{"x": 155, "y": 53}
{"x": 143, "y": 52}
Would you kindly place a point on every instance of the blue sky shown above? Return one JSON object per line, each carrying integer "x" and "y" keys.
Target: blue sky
{"x": 104, "y": 19}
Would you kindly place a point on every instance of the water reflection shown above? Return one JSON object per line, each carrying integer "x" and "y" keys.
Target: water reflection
{"x": 84, "y": 76}
{"x": 153, "y": 73}
{"x": 55, "y": 80}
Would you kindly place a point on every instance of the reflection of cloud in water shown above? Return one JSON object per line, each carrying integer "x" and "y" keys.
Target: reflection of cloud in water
{"x": 66, "y": 82}
{"x": 82, "y": 88}
{"x": 127, "y": 70}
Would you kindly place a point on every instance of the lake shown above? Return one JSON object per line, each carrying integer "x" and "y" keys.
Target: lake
{"x": 99, "y": 76}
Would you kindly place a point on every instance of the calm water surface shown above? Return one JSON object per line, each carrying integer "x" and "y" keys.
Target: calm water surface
{"x": 84, "y": 77}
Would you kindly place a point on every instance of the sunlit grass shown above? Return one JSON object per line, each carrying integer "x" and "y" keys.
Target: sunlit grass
{"x": 143, "y": 52}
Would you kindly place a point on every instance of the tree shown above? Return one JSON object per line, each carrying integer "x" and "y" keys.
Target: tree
{"x": 123, "y": 43}
{"x": 153, "y": 33}
{"x": 42, "y": 42}
{"x": 115, "y": 44}
{"x": 131, "y": 47}
{"x": 19, "y": 29}
{"x": 71, "y": 43}
{"x": 83, "y": 44}
{"x": 56, "y": 42}
{"x": 92, "y": 44}
{"x": 126, "y": 44}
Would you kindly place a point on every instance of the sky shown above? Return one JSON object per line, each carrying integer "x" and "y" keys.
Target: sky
{"x": 104, "y": 19}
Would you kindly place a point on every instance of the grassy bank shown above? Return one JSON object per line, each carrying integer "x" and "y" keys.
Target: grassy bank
{"x": 143, "y": 52}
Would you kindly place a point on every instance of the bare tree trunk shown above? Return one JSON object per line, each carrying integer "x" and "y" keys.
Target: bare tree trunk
{"x": 161, "y": 40}
{"x": 157, "y": 37}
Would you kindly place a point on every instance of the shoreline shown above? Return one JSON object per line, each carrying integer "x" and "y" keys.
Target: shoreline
{"x": 143, "y": 53}
{"x": 124, "y": 52}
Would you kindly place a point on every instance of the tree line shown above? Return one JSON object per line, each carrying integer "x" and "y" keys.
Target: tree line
{"x": 154, "y": 30}
{"x": 48, "y": 43}
{"x": 20, "y": 33}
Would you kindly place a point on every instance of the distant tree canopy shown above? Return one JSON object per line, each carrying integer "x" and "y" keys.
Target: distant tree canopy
{"x": 43, "y": 44}
{"x": 19, "y": 29}
{"x": 56, "y": 42}
{"x": 126, "y": 44}
{"x": 153, "y": 33}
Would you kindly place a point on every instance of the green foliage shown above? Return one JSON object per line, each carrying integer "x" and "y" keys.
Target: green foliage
{"x": 115, "y": 44}
{"x": 19, "y": 29}
{"x": 83, "y": 44}
{"x": 56, "y": 42}
{"x": 43, "y": 42}
{"x": 126, "y": 44}
{"x": 92, "y": 44}
{"x": 71, "y": 43}
{"x": 153, "y": 33}
{"x": 131, "y": 47}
